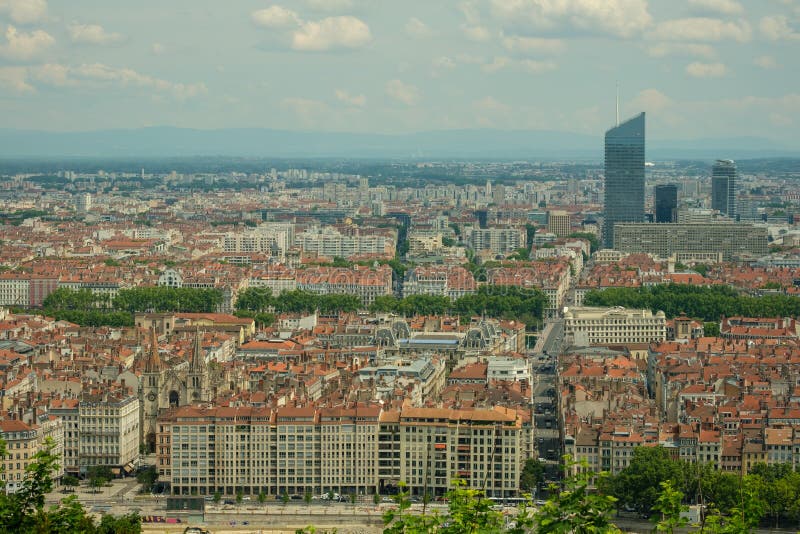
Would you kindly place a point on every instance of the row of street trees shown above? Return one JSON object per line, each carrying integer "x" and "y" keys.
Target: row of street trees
{"x": 503, "y": 302}
{"x": 707, "y": 303}
{"x": 83, "y": 307}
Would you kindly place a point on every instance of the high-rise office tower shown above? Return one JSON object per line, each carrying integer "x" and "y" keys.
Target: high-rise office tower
{"x": 723, "y": 187}
{"x": 666, "y": 203}
{"x": 624, "y": 176}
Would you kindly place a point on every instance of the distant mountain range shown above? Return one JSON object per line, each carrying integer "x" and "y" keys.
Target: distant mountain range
{"x": 158, "y": 142}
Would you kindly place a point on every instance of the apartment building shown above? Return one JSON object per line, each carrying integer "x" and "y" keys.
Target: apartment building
{"x": 558, "y": 223}
{"x": 67, "y": 411}
{"x": 732, "y": 240}
{"x": 271, "y": 238}
{"x": 23, "y": 441}
{"x": 108, "y": 426}
{"x": 365, "y": 283}
{"x": 14, "y": 289}
{"x": 452, "y": 282}
{"x": 329, "y": 242}
{"x": 349, "y": 450}
{"x": 497, "y": 240}
{"x": 612, "y": 326}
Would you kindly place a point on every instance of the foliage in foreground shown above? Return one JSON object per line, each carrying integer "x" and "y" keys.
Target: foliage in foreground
{"x": 575, "y": 507}
{"x": 24, "y": 511}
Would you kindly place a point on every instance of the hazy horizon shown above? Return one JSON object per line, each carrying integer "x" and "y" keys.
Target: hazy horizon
{"x": 699, "y": 68}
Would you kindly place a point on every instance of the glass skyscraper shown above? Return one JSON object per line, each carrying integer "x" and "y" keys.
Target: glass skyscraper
{"x": 666, "y": 203}
{"x": 723, "y": 187}
{"x": 624, "y": 176}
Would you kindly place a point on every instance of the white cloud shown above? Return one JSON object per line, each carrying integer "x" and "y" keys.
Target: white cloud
{"x": 351, "y": 100}
{"x": 682, "y": 49}
{"x": 417, "y": 28}
{"x": 54, "y": 74}
{"x": 402, "y": 92}
{"x": 20, "y": 46}
{"x": 15, "y": 79}
{"x": 24, "y": 11}
{"x": 766, "y": 62}
{"x": 706, "y": 70}
{"x": 703, "y": 29}
{"x": 100, "y": 75}
{"x": 526, "y": 46}
{"x": 777, "y": 28}
{"x": 651, "y": 101}
{"x": 537, "y": 67}
{"x": 157, "y": 49}
{"x": 331, "y": 33}
{"x": 275, "y": 17}
{"x": 622, "y": 18}
{"x": 723, "y": 7}
{"x": 93, "y": 34}
{"x": 475, "y": 33}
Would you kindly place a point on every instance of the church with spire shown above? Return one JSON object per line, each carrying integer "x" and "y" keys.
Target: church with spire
{"x": 164, "y": 386}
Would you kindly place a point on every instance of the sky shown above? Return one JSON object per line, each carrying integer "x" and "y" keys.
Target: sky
{"x": 699, "y": 68}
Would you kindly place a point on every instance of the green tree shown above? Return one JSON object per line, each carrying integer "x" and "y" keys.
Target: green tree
{"x": 307, "y": 497}
{"x": 669, "y": 506}
{"x": 24, "y": 511}
{"x": 70, "y": 482}
{"x": 147, "y": 477}
{"x": 594, "y": 243}
{"x": 638, "y": 484}
{"x": 576, "y": 509}
{"x": 124, "y": 524}
{"x": 98, "y": 476}
{"x": 711, "y": 329}
{"x": 401, "y": 521}
{"x": 217, "y": 497}
{"x": 532, "y": 475}
{"x": 239, "y": 497}
{"x": 262, "y": 497}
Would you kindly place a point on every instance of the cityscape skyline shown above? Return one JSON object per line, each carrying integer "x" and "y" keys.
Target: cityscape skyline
{"x": 700, "y": 68}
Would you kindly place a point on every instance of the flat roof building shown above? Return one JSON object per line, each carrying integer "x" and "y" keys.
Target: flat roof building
{"x": 664, "y": 240}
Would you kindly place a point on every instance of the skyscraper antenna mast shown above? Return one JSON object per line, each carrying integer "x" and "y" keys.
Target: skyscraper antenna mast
{"x": 617, "y": 103}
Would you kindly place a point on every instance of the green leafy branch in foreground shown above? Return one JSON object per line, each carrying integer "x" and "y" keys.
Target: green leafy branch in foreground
{"x": 24, "y": 511}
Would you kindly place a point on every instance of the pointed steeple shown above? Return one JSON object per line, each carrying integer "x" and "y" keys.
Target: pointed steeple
{"x": 152, "y": 364}
{"x": 197, "y": 363}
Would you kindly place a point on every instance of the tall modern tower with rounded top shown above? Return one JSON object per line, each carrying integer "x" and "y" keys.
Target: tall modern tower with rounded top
{"x": 624, "y": 176}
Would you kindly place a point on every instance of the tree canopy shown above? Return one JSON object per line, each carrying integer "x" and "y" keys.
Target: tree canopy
{"x": 706, "y": 303}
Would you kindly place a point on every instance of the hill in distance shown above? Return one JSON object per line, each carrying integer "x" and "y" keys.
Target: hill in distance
{"x": 267, "y": 143}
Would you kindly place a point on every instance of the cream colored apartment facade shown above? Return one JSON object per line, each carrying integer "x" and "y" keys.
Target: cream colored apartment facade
{"x": 361, "y": 450}
{"x": 613, "y": 326}
{"x": 108, "y": 432}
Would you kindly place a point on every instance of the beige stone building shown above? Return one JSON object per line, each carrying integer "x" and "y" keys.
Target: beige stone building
{"x": 23, "y": 441}
{"x": 353, "y": 450}
{"x": 585, "y": 326}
